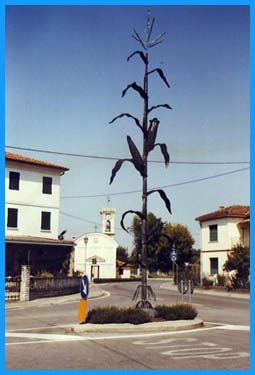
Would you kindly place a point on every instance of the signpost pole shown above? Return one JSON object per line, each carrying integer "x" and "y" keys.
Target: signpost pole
{"x": 189, "y": 291}
{"x": 182, "y": 289}
{"x": 177, "y": 271}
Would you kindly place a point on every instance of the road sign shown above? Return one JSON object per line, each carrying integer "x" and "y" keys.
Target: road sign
{"x": 173, "y": 258}
{"x": 173, "y": 252}
{"x": 84, "y": 287}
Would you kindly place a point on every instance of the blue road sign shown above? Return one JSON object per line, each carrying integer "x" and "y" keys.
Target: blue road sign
{"x": 84, "y": 287}
{"x": 173, "y": 258}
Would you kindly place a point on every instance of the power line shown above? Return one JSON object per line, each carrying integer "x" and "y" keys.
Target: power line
{"x": 114, "y": 158}
{"x": 85, "y": 220}
{"x": 78, "y": 218}
{"x": 160, "y": 187}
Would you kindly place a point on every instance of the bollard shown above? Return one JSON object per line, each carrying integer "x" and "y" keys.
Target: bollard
{"x": 83, "y": 305}
{"x": 83, "y": 308}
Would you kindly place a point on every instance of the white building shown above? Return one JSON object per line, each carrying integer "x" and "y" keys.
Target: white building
{"x": 32, "y": 202}
{"x": 219, "y": 232}
{"x": 95, "y": 253}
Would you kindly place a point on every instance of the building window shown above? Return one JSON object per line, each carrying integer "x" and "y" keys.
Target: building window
{"x": 47, "y": 185}
{"x": 14, "y": 180}
{"x": 45, "y": 221}
{"x": 12, "y": 218}
{"x": 213, "y": 232}
{"x": 214, "y": 266}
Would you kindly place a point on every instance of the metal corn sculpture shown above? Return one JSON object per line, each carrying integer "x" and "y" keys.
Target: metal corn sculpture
{"x": 149, "y": 129}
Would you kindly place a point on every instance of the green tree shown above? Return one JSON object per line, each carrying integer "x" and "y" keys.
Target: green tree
{"x": 122, "y": 254}
{"x": 239, "y": 260}
{"x": 162, "y": 238}
{"x": 155, "y": 227}
{"x": 180, "y": 239}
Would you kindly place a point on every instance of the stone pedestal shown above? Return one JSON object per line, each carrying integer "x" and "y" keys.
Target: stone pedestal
{"x": 25, "y": 283}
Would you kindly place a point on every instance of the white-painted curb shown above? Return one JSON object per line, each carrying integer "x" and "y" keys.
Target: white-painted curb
{"x": 175, "y": 325}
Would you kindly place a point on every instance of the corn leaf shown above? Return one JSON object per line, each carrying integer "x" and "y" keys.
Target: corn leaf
{"x": 141, "y": 54}
{"x": 161, "y": 74}
{"x": 163, "y": 196}
{"x": 138, "y": 213}
{"x": 163, "y": 148}
{"x": 158, "y": 106}
{"x": 117, "y": 167}
{"x": 128, "y": 115}
{"x": 137, "y": 88}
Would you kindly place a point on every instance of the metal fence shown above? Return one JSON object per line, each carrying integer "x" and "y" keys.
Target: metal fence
{"x": 41, "y": 287}
{"x": 12, "y": 288}
{"x": 55, "y": 286}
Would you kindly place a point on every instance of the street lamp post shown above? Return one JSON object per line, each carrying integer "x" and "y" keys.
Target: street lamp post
{"x": 86, "y": 240}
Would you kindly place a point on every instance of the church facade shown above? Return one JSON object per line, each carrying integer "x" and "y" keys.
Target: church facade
{"x": 95, "y": 253}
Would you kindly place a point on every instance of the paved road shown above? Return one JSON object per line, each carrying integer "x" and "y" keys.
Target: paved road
{"x": 222, "y": 344}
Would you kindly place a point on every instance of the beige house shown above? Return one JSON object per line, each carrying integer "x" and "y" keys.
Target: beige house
{"x": 219, "y": 232}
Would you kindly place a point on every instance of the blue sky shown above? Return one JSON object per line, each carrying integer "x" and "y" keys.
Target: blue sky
{"x": 66, "y": 67}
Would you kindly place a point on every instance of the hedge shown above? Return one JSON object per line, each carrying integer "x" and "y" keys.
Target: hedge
{"x": 113, "y": 314}
{"x": 177, "y": 312}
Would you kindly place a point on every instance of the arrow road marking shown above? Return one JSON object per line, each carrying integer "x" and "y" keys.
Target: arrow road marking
{"x": 183, "y": 348}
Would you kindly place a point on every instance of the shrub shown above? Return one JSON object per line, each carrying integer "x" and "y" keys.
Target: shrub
{"x": 207, "y": 283}
{"x": 44, "y": 274}
{"x": 238, "y": 261}
{"x": 113, "y": 314}
{"x": 221, "y": 280}
{"x": 177, "y": 312}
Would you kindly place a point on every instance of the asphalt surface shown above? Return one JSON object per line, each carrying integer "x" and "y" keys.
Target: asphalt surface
{"x": 38, "y": 334}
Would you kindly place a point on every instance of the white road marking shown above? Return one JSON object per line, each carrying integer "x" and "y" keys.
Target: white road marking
{"x": 234, "y": 327}
{"x": 39, "y": 328}
{"x": 106, "y": 295}
{"x": 43, "y": 336}
{"x": 65, "y": 337}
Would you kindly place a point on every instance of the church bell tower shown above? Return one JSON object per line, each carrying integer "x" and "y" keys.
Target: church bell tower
{"x": 108, "y": 216}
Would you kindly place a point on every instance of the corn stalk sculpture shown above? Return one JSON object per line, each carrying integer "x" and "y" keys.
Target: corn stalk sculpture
{"x": 149, "y": 129}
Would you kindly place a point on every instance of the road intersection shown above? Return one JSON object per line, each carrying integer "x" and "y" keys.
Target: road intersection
{"x": 223, "y": 342}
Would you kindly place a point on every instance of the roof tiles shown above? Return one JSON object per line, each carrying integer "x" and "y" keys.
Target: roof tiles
{"x": 11, "y": 156}
{"x": 230, "y": 211}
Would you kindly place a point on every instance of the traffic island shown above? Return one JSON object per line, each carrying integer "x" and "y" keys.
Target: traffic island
{"x": 163, "y": 318}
